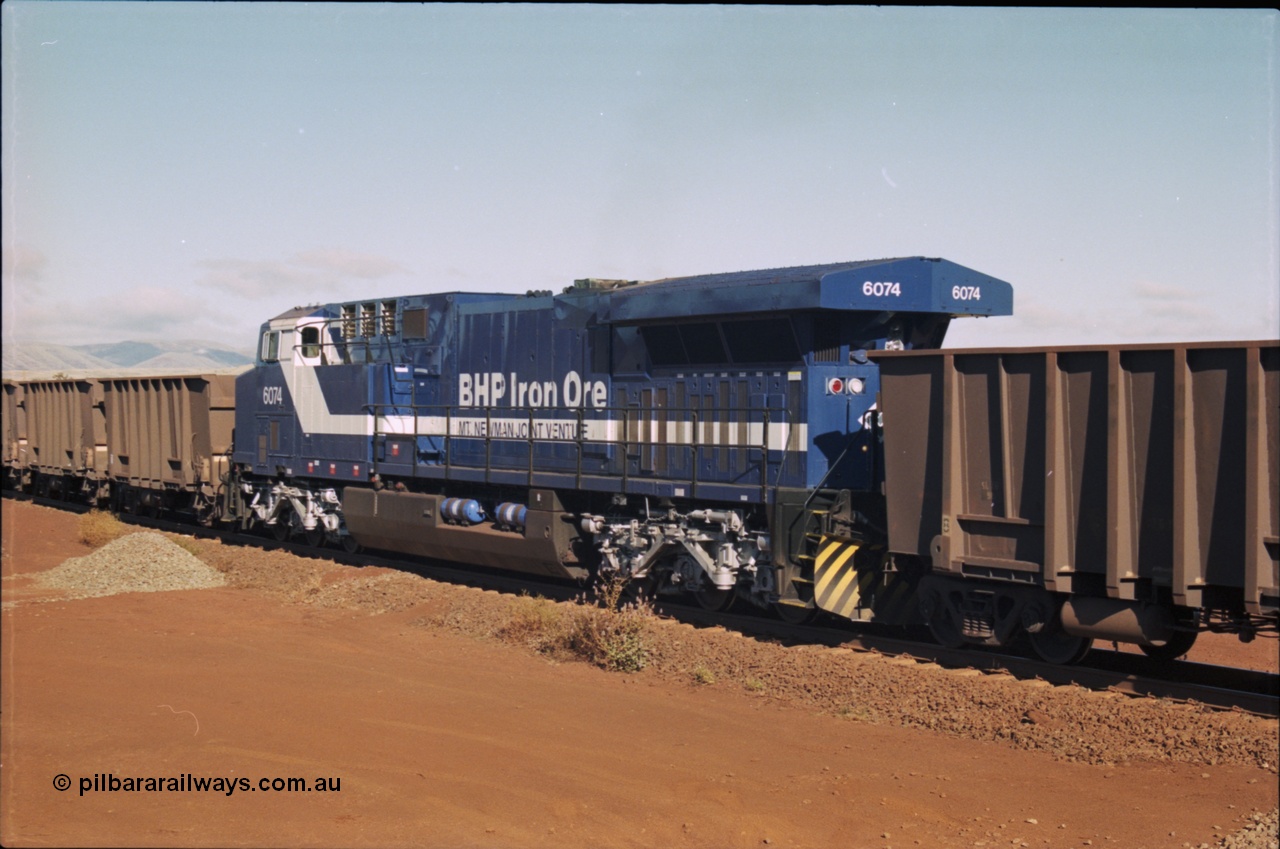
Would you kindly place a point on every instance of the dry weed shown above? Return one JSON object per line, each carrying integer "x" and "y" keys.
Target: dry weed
{"x": 535, "y": 623}
{"x": 98, "y": 527}
{"x": 191, "y": 545}
{"x": 613, "y": 635}
{"x": 603, "y": 631}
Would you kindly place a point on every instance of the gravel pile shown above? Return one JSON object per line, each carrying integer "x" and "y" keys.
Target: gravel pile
{"x": 138, "y": 563}
{"x": 1262, "y": 833}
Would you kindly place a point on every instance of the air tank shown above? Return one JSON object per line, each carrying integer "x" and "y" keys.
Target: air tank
{"x": 511, "y": 515}
{"x": 464, "y": 511}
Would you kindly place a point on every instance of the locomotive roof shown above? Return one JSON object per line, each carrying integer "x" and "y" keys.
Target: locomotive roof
{"x": 790, "y": 274}
{"x": 905, "y": 284}
{"x": 902, "y": 284}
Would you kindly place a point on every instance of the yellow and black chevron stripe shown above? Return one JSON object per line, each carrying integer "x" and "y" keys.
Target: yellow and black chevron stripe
{"x": 850, "y": 581}
{"x": 836, "y": 587}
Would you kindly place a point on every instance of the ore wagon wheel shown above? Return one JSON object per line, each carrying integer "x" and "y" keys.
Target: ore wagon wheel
{"x": 1174, "y": 647}
{"x": 944, "y": 628}
{"x": 349, "y": 544}
{"x": 1053, "y": 645}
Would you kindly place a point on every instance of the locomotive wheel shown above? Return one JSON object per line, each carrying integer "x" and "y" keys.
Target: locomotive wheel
{"x": 1173, "y": 648}
{"x": 1053, "y": 645}
{"x": 349, "y": 544}
{"x": 714, "y": 599}
{"x": 206, "y": 513}
{"x": 280, "y": 530}
{"x": 315, "y": 537}
{"x": 794, "y": 614}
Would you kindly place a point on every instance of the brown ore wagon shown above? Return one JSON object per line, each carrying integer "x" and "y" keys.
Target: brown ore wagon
{"x": 13, "y": 425}
{"x": 1124, "y": 493}
{"x": 66, "y": 437}
{"x": 169, "y": 439}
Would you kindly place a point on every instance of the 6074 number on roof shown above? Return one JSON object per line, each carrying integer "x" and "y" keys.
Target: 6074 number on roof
{"x": 880, "y": 290}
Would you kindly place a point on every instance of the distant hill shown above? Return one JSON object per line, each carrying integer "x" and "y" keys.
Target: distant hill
{"x": 171, "y": 362}
{"x": 123, "y": 353}
{"x": 43, "y": 357}
{"x": 134, "y": 357}
{"x": 193, "y": 354}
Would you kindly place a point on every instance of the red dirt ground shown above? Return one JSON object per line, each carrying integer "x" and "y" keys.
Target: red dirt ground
{"x": 441, "y": 740}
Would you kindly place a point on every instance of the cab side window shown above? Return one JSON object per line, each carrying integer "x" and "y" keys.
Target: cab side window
{"x": 271, "y": 346}
{"x": 310, "y": 342}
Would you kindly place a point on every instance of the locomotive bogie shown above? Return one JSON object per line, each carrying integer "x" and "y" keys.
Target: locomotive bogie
{"x": 701, "y": 552}
{"x": 287, "y": 508}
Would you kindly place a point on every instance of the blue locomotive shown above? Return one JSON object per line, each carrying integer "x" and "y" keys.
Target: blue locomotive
{"x": 698, "y": 433}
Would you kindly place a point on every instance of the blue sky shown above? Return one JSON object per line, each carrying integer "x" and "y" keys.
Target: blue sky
{"x": 187, "y": 170}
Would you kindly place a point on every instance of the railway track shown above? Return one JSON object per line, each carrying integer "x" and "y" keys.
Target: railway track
{"x": 1217, "y": 687}
{"x": 1214, "y": 687}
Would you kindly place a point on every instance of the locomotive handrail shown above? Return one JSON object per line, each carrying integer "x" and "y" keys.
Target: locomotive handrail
{"x": 531, "y": 449}
{"x": 488, "y": 440}
{"x": 578, "y": 430}
{"x": 688, "y": 420}
{"x": 339, "y": 352}
{"x": 448, "y": 431}
{"x": 804, "y": 508}
{"x": 764, "y": 454}
{"x": 695, "y": 422}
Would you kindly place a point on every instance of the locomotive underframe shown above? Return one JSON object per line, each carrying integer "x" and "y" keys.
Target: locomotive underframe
{"x": 714, "y": 552}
